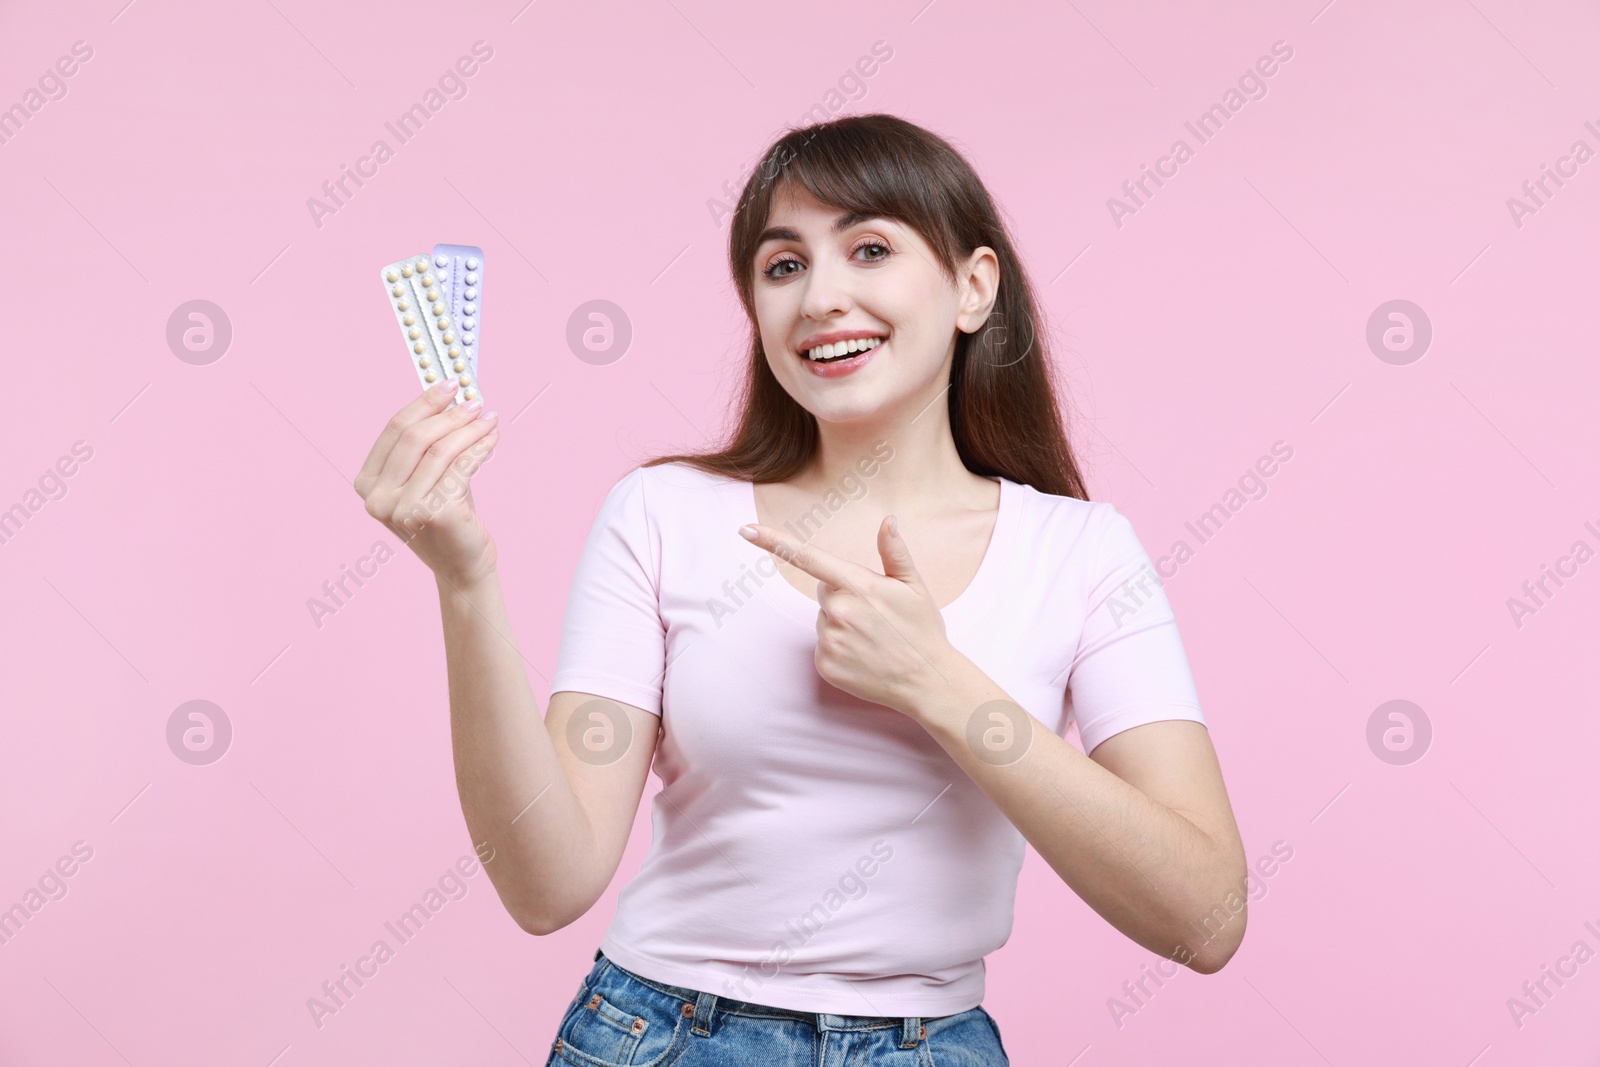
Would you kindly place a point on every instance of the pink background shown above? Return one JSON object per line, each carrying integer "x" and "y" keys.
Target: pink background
{"x": 1228, "y": 313}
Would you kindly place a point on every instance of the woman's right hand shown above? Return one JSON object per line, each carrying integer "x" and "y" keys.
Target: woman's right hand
{"x": 417, "y": 482}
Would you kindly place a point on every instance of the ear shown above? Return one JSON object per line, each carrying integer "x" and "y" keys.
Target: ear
{"x": 979, "y": 281}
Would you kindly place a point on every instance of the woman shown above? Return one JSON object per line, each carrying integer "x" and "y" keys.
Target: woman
{"x": 851, "y": 641}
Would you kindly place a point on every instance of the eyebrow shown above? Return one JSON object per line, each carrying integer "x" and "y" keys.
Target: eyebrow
{"x": 840, "y": 224}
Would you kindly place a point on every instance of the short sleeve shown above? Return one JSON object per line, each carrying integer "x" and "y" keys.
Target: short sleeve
{"x": 1129, "y": 668}
{"x": 613, "y": 640}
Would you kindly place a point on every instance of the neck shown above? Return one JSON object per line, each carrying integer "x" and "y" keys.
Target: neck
{"x": 922, "y": 473}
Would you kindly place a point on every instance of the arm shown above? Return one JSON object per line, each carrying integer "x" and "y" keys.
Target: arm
{"x": 556, "y": 821}
{"x": 1141, "y": 829}
{"x": 550, "y": 823}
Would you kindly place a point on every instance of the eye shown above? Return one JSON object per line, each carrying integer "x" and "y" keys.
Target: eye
{"x": 772, "y": 269}
{"x": 778, "y": 267}
{"x": 873, "y": 242}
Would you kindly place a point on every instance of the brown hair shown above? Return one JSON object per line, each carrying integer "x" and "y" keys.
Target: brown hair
{"x": 1002, "y": 400}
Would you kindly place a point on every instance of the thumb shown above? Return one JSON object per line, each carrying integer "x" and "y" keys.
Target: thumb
{"x": 895, "y": 553}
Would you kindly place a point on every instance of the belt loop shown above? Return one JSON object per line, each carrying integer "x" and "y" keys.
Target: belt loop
{"x": 910, "y": 1031}
{"x": 704, "y": 1005}
{"x": 597, "y": 955}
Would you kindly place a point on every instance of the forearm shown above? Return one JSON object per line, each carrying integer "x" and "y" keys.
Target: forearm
{"x": 1147, "y": 869}
{"x": 504, "y": 760}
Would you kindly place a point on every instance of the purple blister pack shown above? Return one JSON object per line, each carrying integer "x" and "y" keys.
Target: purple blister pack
{"x": 459, "y": 269}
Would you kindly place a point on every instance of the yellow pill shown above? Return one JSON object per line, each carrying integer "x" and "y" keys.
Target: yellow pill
{"x": 449, "y": 337}
{"x": 403, "y": 306}
{"x": 424, "y": 362}
{"x": 393, "y": 276}
{"x": 455, "y": 350}
{"x": 422, "y": 262}
{"x": 459, "y": 366}
{"x": 398, "y": 291}
{"x": 444, "y": 322}
{"x": 466, "y": 379}
{"x": 419, "y": 348}
{"x": 410, "y": 320}
{"x": 430, "y": 376}
{"x": 471, "y": 394}
{"x": 407, "y": 271}
{"x": 438, "y": 309}
{"x": 433, "y": 294}
{"x": 414, "y": 333}
{"x": 427, "y": 279}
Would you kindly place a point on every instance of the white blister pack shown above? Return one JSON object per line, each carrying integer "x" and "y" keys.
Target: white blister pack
{"x": 438, "y": 301}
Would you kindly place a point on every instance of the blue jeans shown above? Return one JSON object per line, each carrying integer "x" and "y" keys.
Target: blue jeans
{"x": 619, "y": 1019}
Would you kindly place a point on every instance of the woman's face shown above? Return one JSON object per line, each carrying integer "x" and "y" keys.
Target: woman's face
{"x": 824, "y": 276}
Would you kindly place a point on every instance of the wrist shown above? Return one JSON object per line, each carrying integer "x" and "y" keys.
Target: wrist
{"x": 471, "y": 586}
{"x": 953, "y": 689}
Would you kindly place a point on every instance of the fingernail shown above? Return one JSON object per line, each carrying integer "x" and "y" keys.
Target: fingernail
{"x": 894, "y": 527}
{"x": 474, "y": 406}
{"x": 490, "y": 416}
{"x": 749, "y": 533}
{"x": 445, "y": 386}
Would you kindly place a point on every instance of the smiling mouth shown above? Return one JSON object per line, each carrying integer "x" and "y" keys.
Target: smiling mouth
{"x": 843, "y": 350}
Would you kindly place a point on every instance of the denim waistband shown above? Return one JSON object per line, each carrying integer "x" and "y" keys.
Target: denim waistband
{"x": 707, "y": 1005}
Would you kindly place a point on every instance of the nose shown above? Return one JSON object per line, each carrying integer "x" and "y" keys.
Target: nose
{"x": 827, "y": 291}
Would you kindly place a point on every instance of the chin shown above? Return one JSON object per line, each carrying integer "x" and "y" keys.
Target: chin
{"x": 861, "y": 405}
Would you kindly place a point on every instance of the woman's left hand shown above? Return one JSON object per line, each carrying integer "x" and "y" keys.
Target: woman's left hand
{"x": 880, "y": 637}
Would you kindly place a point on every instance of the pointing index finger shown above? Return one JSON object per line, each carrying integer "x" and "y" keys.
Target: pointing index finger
{"x": 821, "y": 565}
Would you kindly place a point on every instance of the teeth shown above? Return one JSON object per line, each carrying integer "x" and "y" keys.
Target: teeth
{"x": 843, "y": 347}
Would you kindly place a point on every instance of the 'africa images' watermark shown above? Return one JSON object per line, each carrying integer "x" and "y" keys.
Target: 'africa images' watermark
{"x": 338, "y": 991}
{"x": 453, "y": 485}
{"x": 1564, "y": 570}
{"x": 52, "y": 486}
{"x": 1537, "y": 994}
{"x": 598, "y": 732}
{"x": 1138, "y": 992}
{"x": 851, "y": 885}
{"x": 851, "y": 87}
{"x": 1399, "y": 732}
{"x": 1135, "y": 593}
{"x": 599, "y": 332}
{"x": 199, "y": 332}
{"x": 452, "y": 85}
{"x": 52, "y": 86}
{"x": 1251, "y": 86}
{"x": 1532, "y": 201}
{"x": 52, "y": 886}
{"x": 199, "y": 732}
{"x": 999, "y": 732}
{"x": 377, "y": 556}
{"x": 850, "y": 488}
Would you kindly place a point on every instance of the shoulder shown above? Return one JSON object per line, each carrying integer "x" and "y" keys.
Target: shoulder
{"x": 1064, "y": 521}
{"x": 676, "y": 479}
{"x": 666, "y": 490}
{"x": 1077, "y": 539}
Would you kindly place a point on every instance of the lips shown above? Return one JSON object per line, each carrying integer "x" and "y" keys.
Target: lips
{"x": 842, "y": 367}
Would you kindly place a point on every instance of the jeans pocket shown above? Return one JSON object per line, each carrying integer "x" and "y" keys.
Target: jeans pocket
{"x": 620, "y": 1023}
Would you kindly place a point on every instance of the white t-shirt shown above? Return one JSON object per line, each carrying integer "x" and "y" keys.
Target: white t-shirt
{"x": 811, "y": 850}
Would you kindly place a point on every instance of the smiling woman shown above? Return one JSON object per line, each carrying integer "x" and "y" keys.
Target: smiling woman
{"x": 907, "y": 690}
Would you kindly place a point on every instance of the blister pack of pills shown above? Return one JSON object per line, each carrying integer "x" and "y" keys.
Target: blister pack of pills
{"x": 438, "y": 303}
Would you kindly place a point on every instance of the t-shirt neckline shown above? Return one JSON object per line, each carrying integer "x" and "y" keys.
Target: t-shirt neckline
{"x": 969, "y": 599}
